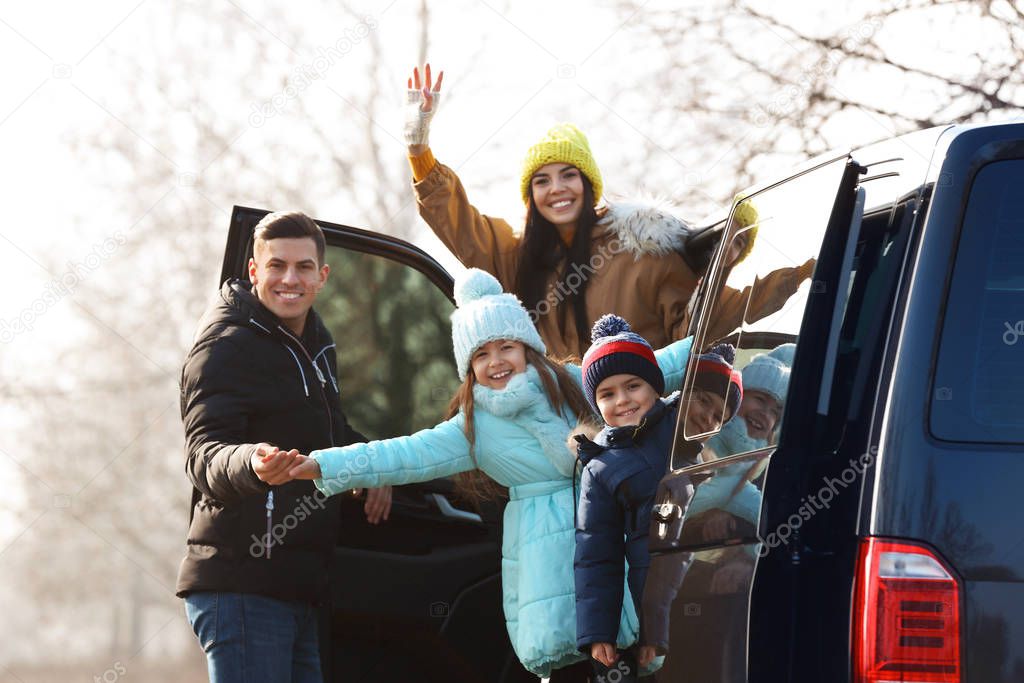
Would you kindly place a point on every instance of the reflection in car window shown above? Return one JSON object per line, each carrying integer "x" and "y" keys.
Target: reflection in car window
{"x": 760, "y": 304}
{"x": 391, "y": 326}
{"x": 977, "y": 394}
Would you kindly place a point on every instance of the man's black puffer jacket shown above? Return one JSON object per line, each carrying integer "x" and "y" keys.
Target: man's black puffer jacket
{"x": 248, "y": 380}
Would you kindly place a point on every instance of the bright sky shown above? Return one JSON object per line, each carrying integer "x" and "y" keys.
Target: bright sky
{"x": 512, "y": 69}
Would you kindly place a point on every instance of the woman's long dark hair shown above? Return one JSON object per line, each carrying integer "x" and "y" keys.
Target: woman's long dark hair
{"x": 540, "y": 252}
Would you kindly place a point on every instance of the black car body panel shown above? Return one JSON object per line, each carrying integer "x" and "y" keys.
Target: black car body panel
{"x": 874, "y": 455}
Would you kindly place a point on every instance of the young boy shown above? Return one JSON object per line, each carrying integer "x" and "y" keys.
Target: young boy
{"x": 621, "y": 470}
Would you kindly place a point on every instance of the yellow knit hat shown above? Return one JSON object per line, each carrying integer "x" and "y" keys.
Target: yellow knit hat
{"x": 563, "y": 143}
{"x": 745, "y": 214}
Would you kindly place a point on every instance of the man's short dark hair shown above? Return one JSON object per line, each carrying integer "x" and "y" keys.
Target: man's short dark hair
{"x": 290, "y": 224}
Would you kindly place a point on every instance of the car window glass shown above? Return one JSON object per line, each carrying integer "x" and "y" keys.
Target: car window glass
{"x": 393, "y": 335}
{"x": 977, "y": 396}
{"x": 758, "y": 310}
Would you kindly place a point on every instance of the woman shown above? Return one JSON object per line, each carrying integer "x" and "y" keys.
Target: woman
{"x": 574, "y": 260}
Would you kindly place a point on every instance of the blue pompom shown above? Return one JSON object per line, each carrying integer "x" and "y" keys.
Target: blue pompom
{"x": 608, "y": 325}
{"x": 726, "y": 351}
{"x": 474, "y": 284}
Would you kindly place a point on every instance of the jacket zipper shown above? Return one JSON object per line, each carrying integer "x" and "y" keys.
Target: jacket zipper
{"x": 319, "y": 376}
{"x": 328, "y": 367}
{"x": 327, "y": 405}
{"x": 270, "y": 515}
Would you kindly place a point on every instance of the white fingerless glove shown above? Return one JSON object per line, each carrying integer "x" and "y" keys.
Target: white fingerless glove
{"x": 417, "y": 121}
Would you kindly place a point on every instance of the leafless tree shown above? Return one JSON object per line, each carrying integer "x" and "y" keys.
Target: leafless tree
{"x": 752, "y": 86}
{"x": 104, "y": 510}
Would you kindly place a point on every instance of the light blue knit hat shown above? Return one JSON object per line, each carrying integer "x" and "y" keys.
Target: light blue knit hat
{"x": 767, "y": 373}
{"x": 485, "y": 313}
{"x": 784, "y": 353}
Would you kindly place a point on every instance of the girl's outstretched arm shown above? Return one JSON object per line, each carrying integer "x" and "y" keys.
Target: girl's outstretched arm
{"x": 428, "y": 454}
{"x": 672, "y": 361}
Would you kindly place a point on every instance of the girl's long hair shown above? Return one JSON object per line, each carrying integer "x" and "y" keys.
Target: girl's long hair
{"x": 561, "y": 390}
{"x": 542, "y": 249}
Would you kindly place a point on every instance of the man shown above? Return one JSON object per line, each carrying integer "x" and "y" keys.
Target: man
{"x": 262, "y": 373}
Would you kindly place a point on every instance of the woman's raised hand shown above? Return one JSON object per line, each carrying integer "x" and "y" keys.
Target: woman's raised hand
{"x": 421, "y": 102}
{"x": 425, "y": 88}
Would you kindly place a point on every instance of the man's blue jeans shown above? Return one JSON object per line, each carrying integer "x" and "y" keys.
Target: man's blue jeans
{"x": 255, "y": 639}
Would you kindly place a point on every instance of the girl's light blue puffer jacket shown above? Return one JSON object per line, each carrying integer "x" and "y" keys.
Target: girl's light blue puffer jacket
{"x": 520, "y": 444}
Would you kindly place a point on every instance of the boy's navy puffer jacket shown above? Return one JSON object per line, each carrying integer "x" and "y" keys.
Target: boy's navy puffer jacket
{"x": 621, "y": 470}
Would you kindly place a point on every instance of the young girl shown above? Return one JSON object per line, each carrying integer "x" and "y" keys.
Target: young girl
{"x": 516, "y": 409}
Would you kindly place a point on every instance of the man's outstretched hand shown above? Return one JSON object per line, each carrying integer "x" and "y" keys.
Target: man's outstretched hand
{"x": 272, "y": 465}
{"x": 275, "y": 466}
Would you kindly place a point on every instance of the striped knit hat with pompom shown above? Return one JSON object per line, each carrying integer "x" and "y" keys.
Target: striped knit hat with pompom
{"x": 617, "y": 350}
{"x": 485, "y": 313}
{"x": 716, "y": 374}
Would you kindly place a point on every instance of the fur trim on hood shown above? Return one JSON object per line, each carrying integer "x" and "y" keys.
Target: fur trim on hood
{"x": 646, "y": 225}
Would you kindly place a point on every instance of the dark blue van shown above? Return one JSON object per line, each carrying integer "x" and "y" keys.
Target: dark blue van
{"x": 872, "y": 534}
{"x": 875, "y": 536}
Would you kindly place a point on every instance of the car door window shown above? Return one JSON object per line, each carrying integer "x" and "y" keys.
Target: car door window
{"x": 393, "y": 336}
{"x": 757, "y": 306}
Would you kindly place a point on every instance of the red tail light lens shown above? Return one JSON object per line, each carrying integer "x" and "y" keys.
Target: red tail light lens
{"x": 906, "y": 619}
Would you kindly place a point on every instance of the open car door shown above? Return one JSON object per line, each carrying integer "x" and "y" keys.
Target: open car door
{"x": 707, "y": 527}
{"x": 421, "y": 592}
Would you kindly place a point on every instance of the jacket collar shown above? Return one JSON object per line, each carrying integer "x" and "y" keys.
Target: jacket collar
{"x": 644, "y": 226}
{"x": 251, "y": 312}
{"x": 625, "y": 437}
{"x": 237, "y": 305}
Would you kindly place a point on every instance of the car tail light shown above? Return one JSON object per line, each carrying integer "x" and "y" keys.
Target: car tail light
{"x": 906, "y": 619}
